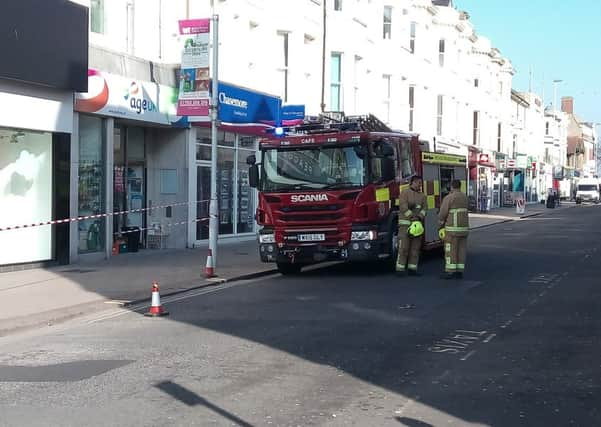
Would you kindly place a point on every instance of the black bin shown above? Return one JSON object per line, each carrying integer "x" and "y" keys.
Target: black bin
{"x": 551, "y": 202}
{"x": 132, "y": 234}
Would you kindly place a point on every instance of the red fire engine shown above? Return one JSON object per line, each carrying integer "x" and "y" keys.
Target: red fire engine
{"x": 328, "y": 190}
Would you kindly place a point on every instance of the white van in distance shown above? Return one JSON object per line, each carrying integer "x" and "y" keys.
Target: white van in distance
{"x": 588, "y": 190}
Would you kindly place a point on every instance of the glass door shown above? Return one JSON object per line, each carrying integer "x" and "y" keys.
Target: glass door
{"x": 203, "y": 196}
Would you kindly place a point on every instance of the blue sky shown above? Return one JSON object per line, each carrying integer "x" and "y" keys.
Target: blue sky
{"x": 558, "y": 39}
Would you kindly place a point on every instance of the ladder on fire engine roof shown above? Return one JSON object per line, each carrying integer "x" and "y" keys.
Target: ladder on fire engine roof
{"x": 338, "y": 122}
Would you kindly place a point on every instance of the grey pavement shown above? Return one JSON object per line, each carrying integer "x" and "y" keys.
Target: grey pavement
{"x": 38, "y": 297}
{"x": 46, "y": 296}
{"x": 514, "y": 344}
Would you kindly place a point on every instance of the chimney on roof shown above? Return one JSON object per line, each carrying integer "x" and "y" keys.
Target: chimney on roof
{"x": 567, "y": 104}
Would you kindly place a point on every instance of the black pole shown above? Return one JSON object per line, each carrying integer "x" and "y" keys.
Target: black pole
{"x": 323, "y": 59}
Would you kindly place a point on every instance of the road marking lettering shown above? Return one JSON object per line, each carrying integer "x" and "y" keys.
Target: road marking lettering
{"x": 543, "y": 279}
{"x": 457, "y": 342}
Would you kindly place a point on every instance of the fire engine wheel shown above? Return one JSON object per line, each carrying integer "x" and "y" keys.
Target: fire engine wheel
{"x": 288, "y": 269}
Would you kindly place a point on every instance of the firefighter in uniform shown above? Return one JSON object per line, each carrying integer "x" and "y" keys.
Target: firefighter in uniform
{"x": 454, "y": 225}
{"x": 412, "y": 209}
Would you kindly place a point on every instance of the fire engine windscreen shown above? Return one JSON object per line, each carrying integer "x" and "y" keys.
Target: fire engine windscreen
{"x": 314, "y": 168}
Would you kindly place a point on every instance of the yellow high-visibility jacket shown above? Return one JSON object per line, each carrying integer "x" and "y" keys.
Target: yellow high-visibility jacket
{"x": 412, "y": 206}
{"x": 453, "y": 214}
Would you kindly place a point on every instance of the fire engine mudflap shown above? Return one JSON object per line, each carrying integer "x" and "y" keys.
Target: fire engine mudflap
{"x": 332, "y": 236}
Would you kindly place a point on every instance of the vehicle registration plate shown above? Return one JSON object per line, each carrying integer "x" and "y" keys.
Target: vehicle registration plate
{"x": 311, "y": 237}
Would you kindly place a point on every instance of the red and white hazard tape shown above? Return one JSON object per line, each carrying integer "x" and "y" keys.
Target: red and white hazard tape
{"x": 103, "y": 215}
{"x": 172, "y": 224}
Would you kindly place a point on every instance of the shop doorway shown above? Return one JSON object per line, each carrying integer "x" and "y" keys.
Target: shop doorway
{"x": 203, "y": 195}
{"x": 129, "y": 187}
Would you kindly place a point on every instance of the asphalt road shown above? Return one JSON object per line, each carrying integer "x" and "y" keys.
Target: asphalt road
{"x": 515, "y": 343}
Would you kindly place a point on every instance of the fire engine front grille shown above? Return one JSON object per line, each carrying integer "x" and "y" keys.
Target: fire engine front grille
{"x": 311, "y": 208}
{"x": 312, "y": 217}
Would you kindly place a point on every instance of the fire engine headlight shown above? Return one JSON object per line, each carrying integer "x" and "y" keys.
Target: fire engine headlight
{"x": 364, "y": 235}
{"x": 266, "y": 238}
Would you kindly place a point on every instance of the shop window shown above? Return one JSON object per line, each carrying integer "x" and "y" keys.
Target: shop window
{"x": 26, "y": 194}
{"x": 246, "y": 205}
{"x": 226, "y": 139}
{"x": 91, "y": 189}
{"x": 225, "y": 189}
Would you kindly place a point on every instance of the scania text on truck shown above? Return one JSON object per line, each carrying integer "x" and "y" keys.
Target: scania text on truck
{"x": 329, "y": 191}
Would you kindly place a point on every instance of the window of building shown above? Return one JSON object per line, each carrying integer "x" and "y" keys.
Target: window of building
{"x": 97, "y": 16}
{"x": 337, "y": 4}
{"x": 547, "y": 128}
{"x": 412, "y": 37}
{"x": 411, "y": 106}
{"x": 387, "y": 30}
{"x": 284, "y": 37}
{"x": 356, "y": 85}
{"x": 441, "y": 50}
{"x": 499, "y": 130}
{"x": 387, "y": 93}
{"x": 439, "y": 114}
{"x": 476, "y": 133}
{"x": 336, "y": 82}
{"x": 501, "y": 89}
{"x": 476, "y": 82}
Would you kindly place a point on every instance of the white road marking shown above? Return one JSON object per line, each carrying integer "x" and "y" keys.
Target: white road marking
{"x": 489, "y": 338}
{"x": 521, "y": 312}
{"x": 467, "y": 356}
{"x": 171, "y": 299}
{"x": 506, "y": 324}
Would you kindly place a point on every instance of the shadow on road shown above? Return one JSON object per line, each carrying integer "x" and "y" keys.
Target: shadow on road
{"x": 190, "y": 398}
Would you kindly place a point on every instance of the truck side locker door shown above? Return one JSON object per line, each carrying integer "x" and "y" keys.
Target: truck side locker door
{"x": 431, "y": 175}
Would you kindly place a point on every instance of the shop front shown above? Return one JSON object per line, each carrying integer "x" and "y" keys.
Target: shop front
{"x": 37, "y": 82}
{"x": 34, "y": 173}
{"x": 132, "y": 163}
{"x": 236, "y": 199}
{"x": 482, "y": 171}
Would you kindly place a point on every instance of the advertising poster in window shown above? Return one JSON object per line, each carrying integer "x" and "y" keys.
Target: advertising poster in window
{"x": 194, "y": 79}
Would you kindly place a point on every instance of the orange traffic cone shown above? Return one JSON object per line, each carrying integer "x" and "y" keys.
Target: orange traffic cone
{"x": 210, "y": 267}
{"x": 156, "y": 309}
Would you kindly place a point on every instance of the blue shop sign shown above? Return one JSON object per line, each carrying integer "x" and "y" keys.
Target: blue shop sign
{"x": 293, "y": 112}
{"x": 238, "y": 105}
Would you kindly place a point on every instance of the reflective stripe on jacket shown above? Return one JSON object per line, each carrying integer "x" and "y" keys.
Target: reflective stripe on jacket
{"x": 453, "y": 215}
